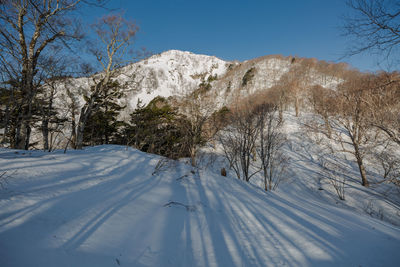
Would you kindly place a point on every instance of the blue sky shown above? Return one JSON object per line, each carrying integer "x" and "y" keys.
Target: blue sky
{"x": 240, "y": 29}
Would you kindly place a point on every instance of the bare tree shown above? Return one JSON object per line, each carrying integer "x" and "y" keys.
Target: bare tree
{"x": 334, "y": 172}
{"x": 238, "y": 141}
{"x": 198, "y": 127}
{"x": 322, "y": 103}
{"x": 279, "y": 94}
{"x": 389, "y": 163}
{"x": 48, "y": 115}
{"x": 289, "y": 90}
{"x": 116, "y": 35}
{"x": 384, "y": 115}
{"x": 351, "y": 131}
{"x": 71, "y": 99}
{"x": 384, "y": 104}
{"x": 270, "y": 144}
{"x": 54, "y": 72}
{"x": 27, "y": 28}
{"x": 374, "y": 26}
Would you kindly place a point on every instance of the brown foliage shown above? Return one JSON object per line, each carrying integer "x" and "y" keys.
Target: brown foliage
{"x": 223, "y": 172}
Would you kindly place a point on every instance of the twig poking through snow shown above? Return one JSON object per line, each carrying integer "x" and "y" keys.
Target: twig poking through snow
{"x": 188, "y": 207}
{"x": 183, "y": 176}
{"x": 4, "y": 179}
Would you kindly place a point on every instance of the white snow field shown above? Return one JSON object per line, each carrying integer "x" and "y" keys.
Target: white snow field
{"x": 105, "y": 206}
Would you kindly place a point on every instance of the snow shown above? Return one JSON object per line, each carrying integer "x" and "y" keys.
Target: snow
{"x": 170, "y": 73}
{"x": 177, "y": 73}
{"x": 380, "y": 200}
{"x": 107, "y": 206}
{"x": 116, "y": 206}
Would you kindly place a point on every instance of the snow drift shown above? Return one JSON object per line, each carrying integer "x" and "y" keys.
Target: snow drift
{"x": 107, "y": 206}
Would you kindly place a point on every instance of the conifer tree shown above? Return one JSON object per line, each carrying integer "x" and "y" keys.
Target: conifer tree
{"x": 156, "y": 128}
{"x": 103, "y": 125}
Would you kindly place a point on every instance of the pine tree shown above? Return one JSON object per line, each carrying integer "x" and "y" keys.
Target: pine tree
{"x": 156, "y": 128}
{"x": 103, "y": 125}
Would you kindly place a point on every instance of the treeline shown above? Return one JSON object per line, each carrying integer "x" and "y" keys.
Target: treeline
{"x": 354, "y": 114}
{"x": 356, "y": 118}
{"x": 39, "y": 41}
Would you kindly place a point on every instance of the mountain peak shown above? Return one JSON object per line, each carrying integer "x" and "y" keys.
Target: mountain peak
{"x": 181, "y": 53}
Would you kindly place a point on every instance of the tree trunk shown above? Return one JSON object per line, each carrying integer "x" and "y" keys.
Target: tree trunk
{"x": 364, "y": 180}
{"x": 26, "y": 83}
{"x": 16, "y": 132}
{"x": 79, "y": 133}
{"x": 262, "y": 151}
{"x": 23, "y": 135}
{"x": 327, "y": 126}
{"x": 18, "y": 129}
{"x": 106, "y": 134}
{"x": 45, "y": 133}
{"x": 362, "y": 172}
{"x": 270, "y": 177}
{"x": 6, "y": 124}
{"x": 27, "y": 136}
{"x": 85, "y": 113}
{"x": 193, "y": 156}
{"x": 281, "y": 110}
{"x": 46, "y": 115}
{"x": 81, "y": 127}
{"x": 106, "y": 138}
{"x": 73, "y": 127}
{"x": 296, "y": 106}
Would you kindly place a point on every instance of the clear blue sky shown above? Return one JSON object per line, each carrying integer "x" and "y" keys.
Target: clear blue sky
{"x": 240, "y": 29}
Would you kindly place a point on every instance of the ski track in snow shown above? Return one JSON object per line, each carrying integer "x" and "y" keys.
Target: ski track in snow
{"x": 103, "y": 207}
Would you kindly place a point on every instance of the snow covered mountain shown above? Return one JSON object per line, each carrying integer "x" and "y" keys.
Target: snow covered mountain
{"x": 178, "y": 73}
{"x": 170, "y": 73}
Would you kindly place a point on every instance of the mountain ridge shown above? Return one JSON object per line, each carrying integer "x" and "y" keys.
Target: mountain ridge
{"x": 178, "y": 74}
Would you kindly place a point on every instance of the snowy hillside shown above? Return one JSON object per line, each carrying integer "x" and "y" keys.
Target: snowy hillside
{"x": 107, "y": 206}
{"x": 171, "y": 73}
{"x": 177, "y": 73}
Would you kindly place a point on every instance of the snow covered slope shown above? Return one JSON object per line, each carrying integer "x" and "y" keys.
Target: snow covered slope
{"x": 171, "y": 73}
{"x": 178, "y": 73}
{"x": 105, "y": 206}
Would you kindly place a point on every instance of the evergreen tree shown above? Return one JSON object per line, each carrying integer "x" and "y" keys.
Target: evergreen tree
{"x": 10, "y": 101}
{"x": 103, "y": 125}
{"x": 157, "y": 128}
